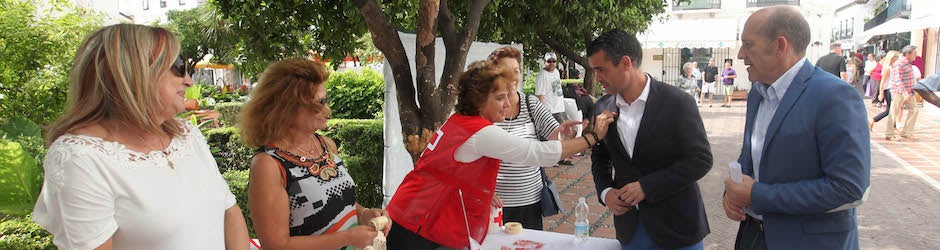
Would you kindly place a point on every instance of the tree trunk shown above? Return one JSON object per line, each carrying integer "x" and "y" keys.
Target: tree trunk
{"x": 419, "y": 123}
{"x": 588, "y": 71}
{"x": 386, "y": 39}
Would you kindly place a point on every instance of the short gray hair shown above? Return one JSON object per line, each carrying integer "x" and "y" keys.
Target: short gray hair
{"x": 835, "y": 46}
{"x": 908, "y": 49}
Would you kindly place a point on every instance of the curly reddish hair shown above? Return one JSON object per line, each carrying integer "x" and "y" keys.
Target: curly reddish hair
{"x": 475, "y": 85}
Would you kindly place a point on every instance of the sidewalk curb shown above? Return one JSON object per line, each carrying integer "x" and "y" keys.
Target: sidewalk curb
{"x": 920, "y": 174}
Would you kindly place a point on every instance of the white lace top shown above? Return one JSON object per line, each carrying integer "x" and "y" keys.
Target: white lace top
{"x": 96, "y": 189}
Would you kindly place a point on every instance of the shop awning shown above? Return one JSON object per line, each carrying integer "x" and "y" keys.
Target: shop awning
{"x": 895, "y": 25}
{"x": 210, "y": 65}
{"x": 691, "y": 33}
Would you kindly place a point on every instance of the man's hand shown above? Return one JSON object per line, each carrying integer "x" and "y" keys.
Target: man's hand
{"x": 733, "y": 212}
{"x": 613, "y": 202}
{"x": 739, "y": 194}
{"x": 632, "y": 193}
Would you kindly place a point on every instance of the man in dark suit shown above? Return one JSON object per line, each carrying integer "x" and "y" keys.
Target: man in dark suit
{"x": 806, "y": 156}
{"x": 646, "y": 167}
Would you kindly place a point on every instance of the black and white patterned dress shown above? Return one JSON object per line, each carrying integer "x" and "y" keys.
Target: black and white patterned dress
{"x": 322, "y": 197}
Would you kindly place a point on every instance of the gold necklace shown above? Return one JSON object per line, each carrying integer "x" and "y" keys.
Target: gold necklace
{"x": 308, "y": 151}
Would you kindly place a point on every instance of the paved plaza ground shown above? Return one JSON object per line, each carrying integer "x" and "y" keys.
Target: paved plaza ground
{"x": 898, "y": 214}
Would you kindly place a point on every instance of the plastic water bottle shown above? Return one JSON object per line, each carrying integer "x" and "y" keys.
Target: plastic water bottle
{"x": 581, "y": 224}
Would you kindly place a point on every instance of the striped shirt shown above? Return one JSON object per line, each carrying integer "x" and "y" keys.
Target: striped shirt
{"x": 520, "y": 185}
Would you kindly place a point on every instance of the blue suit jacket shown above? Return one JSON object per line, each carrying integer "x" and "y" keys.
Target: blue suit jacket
{"x": 817, "y": 157}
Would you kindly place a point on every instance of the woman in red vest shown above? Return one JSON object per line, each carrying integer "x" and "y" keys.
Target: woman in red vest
{"x": 446, "y": 200}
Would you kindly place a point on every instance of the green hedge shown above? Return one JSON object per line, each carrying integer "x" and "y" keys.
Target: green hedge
{"x": 356, "y": 95}
{"x": 23, "y": 233}
{"x": 227, "y": 149}
{"x": 238, "y": 183}
{"x": 361, "y": 145}
{"x": 228, "y": 112}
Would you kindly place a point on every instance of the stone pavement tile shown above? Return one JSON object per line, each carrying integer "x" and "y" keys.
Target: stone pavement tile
{"x": 605, "y": 232}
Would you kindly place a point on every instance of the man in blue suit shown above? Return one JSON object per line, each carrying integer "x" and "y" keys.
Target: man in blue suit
{"x": 806, "y": 154}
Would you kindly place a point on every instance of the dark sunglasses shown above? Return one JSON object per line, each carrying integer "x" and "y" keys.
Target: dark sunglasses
{"x": 550, "y": 61}
{"x": 181, "y": 68}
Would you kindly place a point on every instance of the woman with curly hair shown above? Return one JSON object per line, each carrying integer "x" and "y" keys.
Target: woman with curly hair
{"x": 300, "y": 193}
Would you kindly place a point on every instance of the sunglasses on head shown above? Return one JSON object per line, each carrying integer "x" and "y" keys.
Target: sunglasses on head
{"x": 181, "y": 68}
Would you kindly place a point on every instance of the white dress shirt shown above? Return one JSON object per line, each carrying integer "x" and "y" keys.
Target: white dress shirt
{"x": 628, "y": 120}
{"x": 765, "y": 113}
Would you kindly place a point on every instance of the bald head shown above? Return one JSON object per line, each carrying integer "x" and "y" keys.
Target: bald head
{"x": 787, "y": 22}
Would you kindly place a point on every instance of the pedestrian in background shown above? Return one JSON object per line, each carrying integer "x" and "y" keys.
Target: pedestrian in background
{"x": 870, "y": 65}
{"x": 884, "y": 86}
{"x": 902, "y": 81}
{"x": 709, "y": 81}
{"x": 727, "y": 80}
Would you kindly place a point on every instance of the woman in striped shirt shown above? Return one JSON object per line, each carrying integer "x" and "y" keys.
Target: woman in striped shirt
{"x": 519, "y": 186}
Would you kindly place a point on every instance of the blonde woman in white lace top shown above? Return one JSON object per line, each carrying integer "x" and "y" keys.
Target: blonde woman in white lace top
{"x": 121, "y": 172}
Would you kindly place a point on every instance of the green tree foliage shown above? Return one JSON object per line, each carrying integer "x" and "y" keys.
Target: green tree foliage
{"x": 278, "y": 29}
{"x": 21, "y": 152}
{"x": 272, "y": 30}
{"x": 202, "y": 31}
{"x": 37, "y": 48}
{"x": 565, "y": 27}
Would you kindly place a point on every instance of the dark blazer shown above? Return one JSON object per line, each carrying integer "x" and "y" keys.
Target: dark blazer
{"x": 671, "y": 153}
{"x": 816, "y": 157}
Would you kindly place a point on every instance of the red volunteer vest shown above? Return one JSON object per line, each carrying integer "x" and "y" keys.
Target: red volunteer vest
{"x": 427, "y": 202}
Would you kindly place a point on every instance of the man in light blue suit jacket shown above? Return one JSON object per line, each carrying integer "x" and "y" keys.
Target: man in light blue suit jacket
{"x": 806, "y": 156}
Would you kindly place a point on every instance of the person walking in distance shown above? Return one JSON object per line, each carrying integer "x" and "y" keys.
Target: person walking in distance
{"x": 902, "y": 81}
{"x": 708, "y": 82}
{"x": 727, "y": 83}
{"x": 833, "y": 62}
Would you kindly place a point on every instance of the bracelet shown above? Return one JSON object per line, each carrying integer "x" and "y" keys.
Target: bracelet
{"x": 588, "y": 142}
{"x": 596, "y": 139}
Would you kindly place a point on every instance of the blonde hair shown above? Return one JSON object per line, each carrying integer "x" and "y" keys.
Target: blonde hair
{"x": 116, "y": 75}
{"x": 889, "y": 58}
{"x": 506, "y": 51}
{"x": 283, "y": 87}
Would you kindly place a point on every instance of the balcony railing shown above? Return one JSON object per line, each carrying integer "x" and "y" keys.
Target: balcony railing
{"x": 765, "y": 3}
{"x": 896, "y": 8}
{"x": 842, "y": 34}
{"x": 698, "y": 5}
